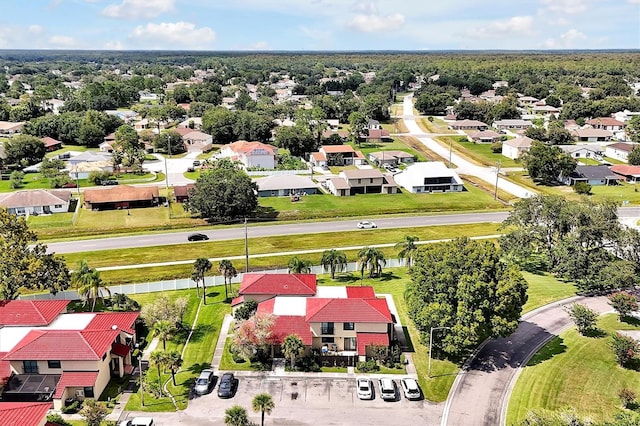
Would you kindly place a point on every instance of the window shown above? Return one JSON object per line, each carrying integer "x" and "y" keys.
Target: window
{"x": 53, "y": 364}
{"x": 328, "y": 340}
{"x": 88, "y": 392}
{"x": 327, "y": 328}
{"x": 348, "y": 326}
{"x": 58, "y": 206}
{"x": 350, "y": 344}
{"x": 30, "y": 367}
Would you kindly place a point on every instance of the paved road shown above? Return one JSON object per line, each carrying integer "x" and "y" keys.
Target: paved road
{"x": 487, "y": 174}
{"x": 270, "y": 230}
{"x": 479, "y": 396}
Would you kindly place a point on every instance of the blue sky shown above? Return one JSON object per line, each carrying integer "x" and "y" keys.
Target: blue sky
{"x": 307, "y": 25}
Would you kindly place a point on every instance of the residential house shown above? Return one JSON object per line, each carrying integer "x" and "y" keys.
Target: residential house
{"x": 630, "y": 173}
{"x": 25, "y": 414}
{"x": 376, "y": 135}
{"x": 344, "y": 136}
{"x": 512, "y": 124}
{"x": 260, "y": 287}
{"x": 128, "y": 116}
{"x": 595, "y": 152}
{"x": 53, "y": 105}
{"x": 468, "y": 125}
{"x": 392, "y": 158}
{"x": 514, "y": 148}
{"x": 83, "y": 170}
{"x": 10, "y": 127}
{"x": 194, "y": 123}
{"x": 36, "y": 201}
{"x": 588, "y": 134}
{"x": 619, "y": 150}
{"x": 90, "y": 157}
{"x": 181, "y": 193}
{"x": 141, "y": 125}
{"x": 51, "y": 144}
{"x": 121, "y": 197}
{"x": 54, "y": 355}
{"x": 606, "y": 123}
{"x": 251, "y": 154}
{"x": 196, "y": 140}
{"x": 361, "y": 181}
{"x": 432, "y": 176}
{"x": 527, "y": 101}
{"x": 625, "y": 115}
{"x": 546, "y": 110}
{"x": 593, "y": 175}
{"x": 285, "y": 185}
{"x": 337, "y": 155}
{"x": 485, "y": 136}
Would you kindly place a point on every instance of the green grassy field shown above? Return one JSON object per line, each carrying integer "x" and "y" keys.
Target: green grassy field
{"x": 480, "y": 152}
{"x": 575, "y": 371}
{"x": 544, "y": 289}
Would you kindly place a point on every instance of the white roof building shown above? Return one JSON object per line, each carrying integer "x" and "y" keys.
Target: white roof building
{"x": 432, "y": 176}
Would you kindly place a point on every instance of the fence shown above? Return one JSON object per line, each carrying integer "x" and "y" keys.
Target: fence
{"x": 278, "y": 172}
{"x": 187, "y": 283}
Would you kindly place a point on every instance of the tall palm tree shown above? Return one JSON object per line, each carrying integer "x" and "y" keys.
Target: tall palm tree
{"x": 174, "y": 362}
{"x": 371, "y": 259}
{"x": 407, "y": 248}
{"x": 334, "y": 260}
{"x": 299, "y": 266}
{"x": 264, "y": 403}
{"x": 228, "y": 271}
{"x": 236, "y": 416}
{"x": 159, "y": 359}
{"x": 200, "y": 267}
{"x": 90, "y": 285}
{"x": 164, "y": 329}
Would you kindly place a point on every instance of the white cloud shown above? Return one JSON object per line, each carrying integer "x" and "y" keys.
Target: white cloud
{"x": 373, "y": 23}
{"x": 559, "y": 22}
{"x": 35, "y": 30}
{"x": 514, "y": 26}
{"x": 179, "y": 35}
{"x": 634, "y": 1}
{"x": 566, "y": 40}
{"x": 315, "y": 34}
{"x": 64, "y": 42}
{"x": 568, "y": 7}
{"x": 138, "y": 9}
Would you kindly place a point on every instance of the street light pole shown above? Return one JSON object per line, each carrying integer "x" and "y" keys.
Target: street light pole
{"x": 495, "y": 194}
{"x": 140, "y": 374}
{"x": 450, "y": 149}
{"x": 431, "y": 345}
{"x": 246, "y": 246}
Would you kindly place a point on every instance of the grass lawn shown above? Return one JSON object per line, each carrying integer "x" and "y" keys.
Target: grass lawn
{"x": 397, "y": 144}
{"x": 480, "y": 152}
{"x": 613, "y": 160}
{"x": 589, "y": 161}
{"x": 544, "y": 289}
{"x": 436, "y": 126}
{"x": 575, "y": 371}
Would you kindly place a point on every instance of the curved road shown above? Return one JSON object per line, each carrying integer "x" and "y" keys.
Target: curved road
{"x": 480, "y": 394}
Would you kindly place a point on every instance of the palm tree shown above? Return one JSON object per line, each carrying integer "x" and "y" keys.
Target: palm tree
{"x": 372, "y": 259}
{"x": 200, "y": 267}
{"x": 299, "y": 266}
{"x": 236, "y": 416}
{"x": 90, "y": 285}
{"x": 334, "y": 260}
{"x": 407, "y": 248}
{"x": 292, "y": 347}
{"x": 164, "y": 330}
{"x": 264, "y": 403}
{"x": 174, "y": 362}
{"x": 159, "y": 359}
{"x": 228, "y": 271}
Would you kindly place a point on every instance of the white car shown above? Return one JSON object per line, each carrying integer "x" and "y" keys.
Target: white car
{"x": 138, "y": 421}
{"x": 364, "y": 387}
{"x": 388, "y": 389}
{"x": 410, "y": 388}
{"x": 366, "y": 224}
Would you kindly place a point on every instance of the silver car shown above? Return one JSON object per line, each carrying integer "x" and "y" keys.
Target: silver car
{"x": 204, "y": 383}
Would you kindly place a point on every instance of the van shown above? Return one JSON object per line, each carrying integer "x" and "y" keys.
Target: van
{"x": 388, "y": 389}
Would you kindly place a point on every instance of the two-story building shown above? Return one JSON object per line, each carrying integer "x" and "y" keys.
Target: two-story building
{"x": 362, "y": 181}
{"x": 337, "y": 155}
{"x": 251, "y": 154}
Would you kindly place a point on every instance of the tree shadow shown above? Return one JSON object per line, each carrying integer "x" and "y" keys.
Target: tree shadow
{"x": 595, "y": 333}
{"x": 201, "y": 331}
{"x": 388, "y": 276}
{"x": 632, "y": 364}
{"x": 407, "y": 338}
{"x": 198, "y": 367}
{"x": 266, "y": 213}
{"x": 347, "y": 278}
{"x": 554, "y": 347}
{"x": 630, "y": 320}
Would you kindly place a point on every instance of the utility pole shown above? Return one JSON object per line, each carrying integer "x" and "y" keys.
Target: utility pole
{"x": 495, "y": 194}
{"x": 431, "y": 345}
{"x": 246, "y": 246}
{"x": 450, "y": 149}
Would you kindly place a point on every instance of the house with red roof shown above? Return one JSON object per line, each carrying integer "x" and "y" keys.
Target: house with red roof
{"x": 24, "y": 414}
{"x": 630, "y": 173}
{"x": 337, "y": 155}
{"x": 260, "y": 287}
{"x": 606, "y": 123}
{"x": 51, "y": 144}
{"x": 47, "y": 354}
{"x": 251, "y": 154}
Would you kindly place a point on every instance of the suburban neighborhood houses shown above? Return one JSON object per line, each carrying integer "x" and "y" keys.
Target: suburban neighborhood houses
{"x": 340, "y": 238}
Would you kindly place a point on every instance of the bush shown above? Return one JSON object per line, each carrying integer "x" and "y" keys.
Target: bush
{"x": 306, "y": 364}
{"x": 496, "y": 147}
{"x": 582, "y": 188}
{"x": 97, "y": 178}
{"x": 583, "y": 317}
{"x": 57, "y": 419}
{"x": 72, "y": 408}
{"x": 246, "y": 310}
{"x": 624, "y": 303}
{"x": 627, "y": 397}
{"x": 624, "y": 348}
{"x": 59, "y": 181}
{"x": 368, "y": 366}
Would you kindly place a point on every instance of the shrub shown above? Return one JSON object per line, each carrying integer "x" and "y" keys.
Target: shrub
{"x": 368, "y": 366}
{"x": 627, "y": 397}
{"x": 624, "y": 348}
{"x": 496, "y": 147}
{"x": 582, "y": 188}
{"x": 623, "y": 303}
{"x": 57, "y": 419}
{"x": 246, "y": 311}
{"x": 72, "y": 408}
{"x": 583, "y": 317}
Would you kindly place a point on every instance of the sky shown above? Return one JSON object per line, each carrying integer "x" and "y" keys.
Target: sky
{"x": 311, "y": 25}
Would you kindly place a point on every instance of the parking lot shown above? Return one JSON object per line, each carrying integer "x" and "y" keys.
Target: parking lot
{"x": 307, "y": 401}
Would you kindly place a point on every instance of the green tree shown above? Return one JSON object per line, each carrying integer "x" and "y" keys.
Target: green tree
{"x": 128, "y": 142}
{"x": 159, "y": 359}
{"x": 174, "y": 362}
{"x": 624, "y": 348}
{"x": 464, "y": 285}
{"x": 236, "y": 416}
{"x": 334, "y": 260}
{"x": 16, "y": 179}
{"x": 634, "y": 156}
{"x": 224, "y": 194}
{"x": 263, "y": 402}
{"x": 633, "y": 129}
{"x": 371, "y": 259}
{"x": 164, "y": 330}
{"x": 624, "y": 303}
{"x": 358, "y": 123}
{"x": 169, "y": 142}
{"x": 299, "y": 266}
{"x": 297, "y": 139}
{"x": 93, "y": 412}
{"x": 24, "y": 150}
{"x": 407, "y": 248}
{"x": 292, "y": 347}
{"x": 228, "y": 271}
{"x": 246, "y": 310}
{"x": 90, "y": 285}
{"x": 547, "y": 164}
{"x": 583, "y": 317}
{"x": 200, "y": 267}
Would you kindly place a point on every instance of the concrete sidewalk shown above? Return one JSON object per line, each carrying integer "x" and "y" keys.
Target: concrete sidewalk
{"x": 222, "y": 338}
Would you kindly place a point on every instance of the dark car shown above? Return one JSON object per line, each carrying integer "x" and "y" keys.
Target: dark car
{"x": 109, "y": 182}
{"x": 197, "y": 237}
{"x": 227, "y": 388}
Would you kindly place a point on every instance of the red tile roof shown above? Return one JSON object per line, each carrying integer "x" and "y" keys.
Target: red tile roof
{"x": 75, "y": 379}
{"x": 121, "y": 193}
{"x": 63, "y": 345}
{"x": 23, "y": 413}
{"x": 348, "y": 310}
{"x": 248, "y": 147}
{"x": 605, "y": 121}
{"x": 106, "y": 320}
{"x": 49, "y": 142}
{"x": 626, "y": 170}
{"x": 366, "y": 292}
{"x": 5, "y": 369}
{"x": 266, "y": 307}
{"x": 120, "y": 349}
{"x": 334, "y": 149}
{"x": 237, "y": 300}
{"x": 279, "y": 284}
{"x": 285, "y": 325}
{"x": 30, "y": 312}
{"x": 366, "y": 339}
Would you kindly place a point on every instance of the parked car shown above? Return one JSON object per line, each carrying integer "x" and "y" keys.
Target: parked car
{"x": 366, "y": 224}
{"x": 196, "y": 163}
{"x": 197, "y": 237}
{"x": 109, "y": 182}
{"x": 410, "y": 388}
{"x": 204, "y": 382}
{"x": 365, "y": 388}
{"x": 227, "y": 388}
{"x": 138, "y": 421}
{"x": 388, "y": 389}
